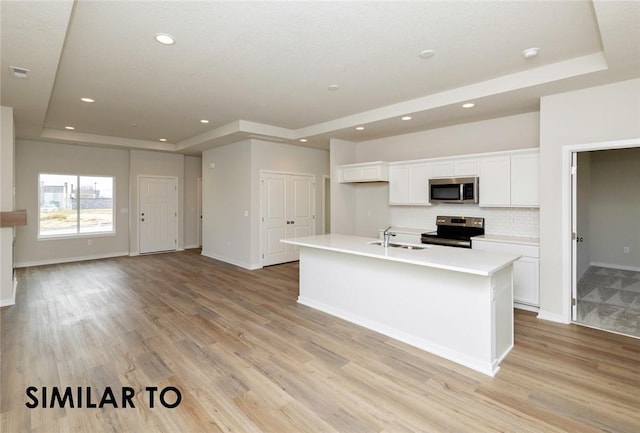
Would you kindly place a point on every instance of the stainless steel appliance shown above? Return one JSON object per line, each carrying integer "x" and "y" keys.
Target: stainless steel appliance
{"x": 454, "y": 190}
{"x": 454, "y": 231}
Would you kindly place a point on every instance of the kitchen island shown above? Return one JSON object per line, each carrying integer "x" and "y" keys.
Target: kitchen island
{"x": 453, "y": 302}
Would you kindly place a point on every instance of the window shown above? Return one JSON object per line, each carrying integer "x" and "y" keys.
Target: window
{"x": 71, "y": 205}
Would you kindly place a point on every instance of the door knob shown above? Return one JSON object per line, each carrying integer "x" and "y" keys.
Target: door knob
{"x": 142, "y": 219}
{"x": 293, "y": 222}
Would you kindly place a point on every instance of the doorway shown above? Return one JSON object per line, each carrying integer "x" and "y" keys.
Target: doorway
{"x": 287, "y": 211}
{"x": 606, "y": 239}
{"x": 158, "y": 218}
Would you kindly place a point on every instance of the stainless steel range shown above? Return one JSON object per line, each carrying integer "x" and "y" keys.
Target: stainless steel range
{"x": 454, "y": 231}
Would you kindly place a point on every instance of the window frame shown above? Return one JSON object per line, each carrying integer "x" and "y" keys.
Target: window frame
{"x": 77, "y": 234}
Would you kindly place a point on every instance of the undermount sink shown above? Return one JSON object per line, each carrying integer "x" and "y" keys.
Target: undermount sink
{"x": 394, "y": 245}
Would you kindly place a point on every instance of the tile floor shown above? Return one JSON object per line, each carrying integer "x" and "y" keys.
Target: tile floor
{"x": 609, "y": 299}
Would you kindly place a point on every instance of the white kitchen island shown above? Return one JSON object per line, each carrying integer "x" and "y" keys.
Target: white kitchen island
{"x": 454, "y": 302}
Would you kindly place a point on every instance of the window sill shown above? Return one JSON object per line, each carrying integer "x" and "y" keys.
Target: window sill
{"x": 75, "y": 236}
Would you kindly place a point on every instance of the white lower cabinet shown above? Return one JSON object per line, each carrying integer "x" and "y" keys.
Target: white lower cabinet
{"x": 526, "y": 270}
{"x": 526, "y": 281}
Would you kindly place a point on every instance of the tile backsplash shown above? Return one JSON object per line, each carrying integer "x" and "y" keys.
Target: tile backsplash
{"x": 498, "y": 221}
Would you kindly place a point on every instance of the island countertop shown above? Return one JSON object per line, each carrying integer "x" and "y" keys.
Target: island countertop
{"x": 449, "y": 258}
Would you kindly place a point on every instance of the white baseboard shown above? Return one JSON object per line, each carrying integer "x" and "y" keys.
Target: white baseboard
{"x": 553, "y": 317}
{"x": 191, "y": 247}
{"x": 526, "y": 307}
{"x": 6, "y": 302}
{"x": 229, "y": 260}
{"x": 70, "y": 259}
{"x": 614, "y": 266}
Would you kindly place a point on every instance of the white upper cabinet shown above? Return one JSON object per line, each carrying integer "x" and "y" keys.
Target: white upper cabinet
{"x": 441, "y": 169}
{"x": 495, "y": 182}
{"x": 364, "y": 172}
{"x": 525, "y": 172}
{"x": 510, "y": 180}
{"x": 465, "y": 167}
{"x": 409, "y": 184}
{"x": 454, "y": 168}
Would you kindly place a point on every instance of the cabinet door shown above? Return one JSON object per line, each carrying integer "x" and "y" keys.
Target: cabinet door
{"x": 465, "y": 168}
{"x": 526, "y": 284}
{"x": 441, "y": 169}
{"x": 418, "y": 184}
{"x": 495, "y": 182}
{"x": 399, "y": 184}
{"x": 525, "y": 174}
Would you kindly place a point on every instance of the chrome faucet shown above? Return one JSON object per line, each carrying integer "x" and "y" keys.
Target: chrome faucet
{"x": 386, "y": 235}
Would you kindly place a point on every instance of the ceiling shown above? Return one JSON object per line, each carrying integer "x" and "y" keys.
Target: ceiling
{"x": 263, "y": 69}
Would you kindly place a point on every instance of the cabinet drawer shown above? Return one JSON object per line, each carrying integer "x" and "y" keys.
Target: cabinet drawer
{"x": 509, "y": 248}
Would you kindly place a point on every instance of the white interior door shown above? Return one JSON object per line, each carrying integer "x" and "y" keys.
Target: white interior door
{"x": 574, "y": 235}
{"x": 288, "y": 206}
{"x": 158, "y": 199}
{"x": 274, "y": 219}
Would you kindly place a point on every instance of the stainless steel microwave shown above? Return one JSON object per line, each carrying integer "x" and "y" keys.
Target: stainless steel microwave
{"x": 454, "y": 190}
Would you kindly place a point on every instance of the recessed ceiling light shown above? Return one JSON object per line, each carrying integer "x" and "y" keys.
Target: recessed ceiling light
{"x": 359, "y": 128}
{"x": 163, "y": 139}
{"x": 468, "y": 105}
{"x": 133, "y": 125}
{"x": 205, "y": 121}
{"x": 333, "y": 87}
{"x": 406, "y": 118}
{"x": 303, "y": 140}
{"x": 70, "y": 128}
{"x": 530, "y": 53}
{"x": 426, "y": 54}
{"x": 87, "y": 100}
{"x": 165, "y": 39}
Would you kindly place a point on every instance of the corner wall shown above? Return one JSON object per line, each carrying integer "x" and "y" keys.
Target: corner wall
{"x": 226, "y": 195}
{"x": 231, "y": 194}
{"x": 7, "y": 177}
{"x": 597, "y": 114}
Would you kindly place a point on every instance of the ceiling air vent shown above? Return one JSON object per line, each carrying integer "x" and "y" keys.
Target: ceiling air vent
{"x": 19, "y": 72}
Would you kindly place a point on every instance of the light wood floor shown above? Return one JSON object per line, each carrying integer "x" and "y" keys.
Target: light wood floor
{"x": 247, "y": 358}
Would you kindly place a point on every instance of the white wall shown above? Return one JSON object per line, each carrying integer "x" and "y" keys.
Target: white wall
{"x": 598, "y": 114}
{"x": 226, "y": 195}
{"x": 146, "y": 163}
{"x": 343, "y": 195}
{"x": 614, "y": 208}
{"x": 7, "y": 146}
{"x": 505, "y": 133}
{"x": 33, "y": 158}
{"x": 192, "y": 172}
{"x": 231, "y": 194}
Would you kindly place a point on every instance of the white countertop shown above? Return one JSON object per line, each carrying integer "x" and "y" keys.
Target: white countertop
{"x": 409, "y": 230}
{"x": 522, "y": 240}
{"x": 453, "y": 259}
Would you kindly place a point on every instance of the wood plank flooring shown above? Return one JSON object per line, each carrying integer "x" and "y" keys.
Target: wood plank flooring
{"x": 247, "y": 358}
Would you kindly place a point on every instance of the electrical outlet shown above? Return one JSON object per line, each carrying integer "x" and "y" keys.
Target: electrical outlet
{"x": 626, "y": 250}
